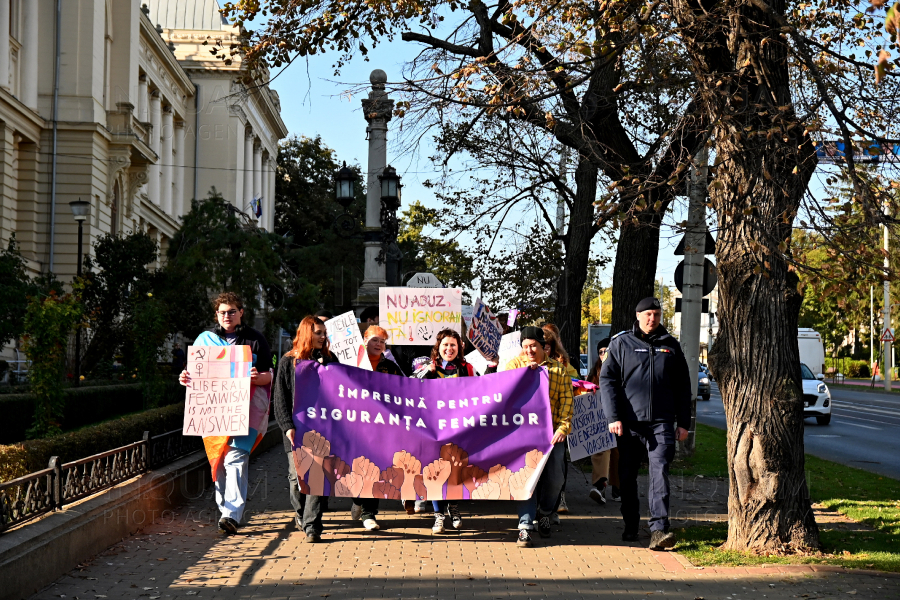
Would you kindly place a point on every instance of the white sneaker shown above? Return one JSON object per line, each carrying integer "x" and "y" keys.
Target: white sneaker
{"x": 371, "y": 524}
{"x": 597, "y": 496}
{"x": 554, "y": 518}
{"x": 563, "y": 509}
{"x": 438, "y": 523}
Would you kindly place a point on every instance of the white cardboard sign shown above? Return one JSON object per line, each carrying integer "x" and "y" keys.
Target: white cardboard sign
{"x": 217, "y": 401}
{"x": 347, "y": 342}
{"x": 414, "y": 316}
{"x": 590, "y": 427}
{"x": 510, "y": 347}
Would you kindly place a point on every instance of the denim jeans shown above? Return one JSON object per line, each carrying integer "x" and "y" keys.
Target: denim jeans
{"x": 659, "y": 439}
{"x": 546, "y": 493}
{"x": 308, "y": 509}
{"x": 231, "y": 483}
{"x": 369, "y": 507}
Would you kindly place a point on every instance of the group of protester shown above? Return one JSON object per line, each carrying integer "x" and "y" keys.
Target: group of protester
{"x": 641, "y": 373}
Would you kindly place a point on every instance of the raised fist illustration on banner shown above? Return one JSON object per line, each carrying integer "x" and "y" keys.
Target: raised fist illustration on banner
{"x": 303, "y": 459}
{"x": 458, "y": 459}
{"x": 518, "y": 483}
{"x": 487, "y": 491}
{"x": 385, "y": 491}
{"x": 393, "y": 476}
{"x": 473, "y": 477}
{"x": 319, "y": 447}
{"x": 419, "y": 487}
{"x": 335, "y": 469}
{"x": 349, "y": 486}
{"x": 436, "y": 473}
{"x": 370, "y": 473}
{"x": 499, "y": 475}
{"x": 412, "y": 467}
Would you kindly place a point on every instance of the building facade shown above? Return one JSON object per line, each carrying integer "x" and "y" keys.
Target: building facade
{"x": 122, "y": 104}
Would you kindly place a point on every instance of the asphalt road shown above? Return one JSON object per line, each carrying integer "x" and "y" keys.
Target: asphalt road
{"x": 864, "y": 430}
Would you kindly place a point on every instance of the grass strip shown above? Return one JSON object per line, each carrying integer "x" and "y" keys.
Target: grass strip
{"x": 862, "y": 496}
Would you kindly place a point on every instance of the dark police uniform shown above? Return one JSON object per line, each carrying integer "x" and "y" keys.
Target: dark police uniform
{"x": 645, "y": 384}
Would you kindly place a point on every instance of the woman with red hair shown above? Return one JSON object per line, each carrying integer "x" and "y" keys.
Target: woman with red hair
{"x": 310, "y": 346}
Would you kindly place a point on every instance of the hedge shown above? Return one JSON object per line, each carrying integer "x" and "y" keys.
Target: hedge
{"x": 33, "y": 455}
{"x": 850, "y": 367}
{"x": 83, "y": 406}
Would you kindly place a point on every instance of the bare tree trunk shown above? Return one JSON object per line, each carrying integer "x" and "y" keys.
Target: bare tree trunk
{"x": 578, "y": 246}
{"x": 764, "y": 161}
{"x": 634, "y": 275}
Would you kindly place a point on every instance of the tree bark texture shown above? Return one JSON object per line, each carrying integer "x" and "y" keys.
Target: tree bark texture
{"x": 578, "y": 247}
{"x": 764, "y": 160}
{"x": 634, "y": 274}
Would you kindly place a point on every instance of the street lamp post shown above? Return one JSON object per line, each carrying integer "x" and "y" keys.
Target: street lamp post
{"x": 390, "y": 253}
{"x": 81, "y": 210}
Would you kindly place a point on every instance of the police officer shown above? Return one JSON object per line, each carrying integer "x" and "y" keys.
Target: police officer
{"x": 646, "y": 393}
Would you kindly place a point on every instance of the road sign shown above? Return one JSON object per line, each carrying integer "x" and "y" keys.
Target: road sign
{"x": 710, "y": 276}
{"x": 704, "y": 305}
{"x": 888, "y": 335}
{"x": 709, "y": 249}
{"x": 424, "y": 280}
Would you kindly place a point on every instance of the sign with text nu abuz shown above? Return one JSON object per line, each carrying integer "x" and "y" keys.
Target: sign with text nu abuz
{"x": 414, "y": 316}
{"x": 218, "y": 397}
{"x": 485, "y": 331}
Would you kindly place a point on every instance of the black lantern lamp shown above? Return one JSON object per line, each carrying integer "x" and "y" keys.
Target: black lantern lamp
{"x": 81, "y": 210}
{"x": 343, "y": 186}
{"x": 390, "y": 187}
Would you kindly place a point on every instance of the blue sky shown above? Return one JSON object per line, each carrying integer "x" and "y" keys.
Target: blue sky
{"x": 313, "y": 103}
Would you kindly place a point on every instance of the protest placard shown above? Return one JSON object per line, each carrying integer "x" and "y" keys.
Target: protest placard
{"x": 364, "y": 434}
{"x": 218, "y": 397}
{"x": 346, "y": 341}
{"x": 485, "y": 332}
{"x": 467, "y": 315}
{"x": 510, "y": 347}
{"x": 590, "y": 427}
{"x": 478, "y": 361}
{"x": 414, "y": 316}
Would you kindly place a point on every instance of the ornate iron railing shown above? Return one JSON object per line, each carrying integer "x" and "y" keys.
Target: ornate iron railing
{"x": 50, "y": 489}
{"x": 27, "y": 497}
{"x": 87, "y": 476}
{"x": 167, "y": 447}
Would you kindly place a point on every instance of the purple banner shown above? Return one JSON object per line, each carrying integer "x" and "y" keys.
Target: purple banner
{"x": 372, "y": 435}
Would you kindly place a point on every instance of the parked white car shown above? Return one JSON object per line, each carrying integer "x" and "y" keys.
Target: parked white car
{"x": 816, "y": 397}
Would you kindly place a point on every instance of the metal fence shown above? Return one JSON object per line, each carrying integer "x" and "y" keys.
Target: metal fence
{"x": 52, "y": 488}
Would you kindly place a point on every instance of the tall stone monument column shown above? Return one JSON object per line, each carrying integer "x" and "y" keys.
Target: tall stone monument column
{"x": 377, "y": 109}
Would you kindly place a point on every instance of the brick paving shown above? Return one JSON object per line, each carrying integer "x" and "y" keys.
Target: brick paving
{"x": 182, "y": 555}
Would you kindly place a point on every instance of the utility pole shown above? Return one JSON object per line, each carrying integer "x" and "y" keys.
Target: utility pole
{"x": 887, "y": 358}
{"x": 692, "y": 295}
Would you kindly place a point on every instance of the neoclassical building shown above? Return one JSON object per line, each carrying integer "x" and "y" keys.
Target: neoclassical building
{"x": 120, "y": 103}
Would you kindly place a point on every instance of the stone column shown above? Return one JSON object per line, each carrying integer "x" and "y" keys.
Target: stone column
{"x": 4, "y": 44}
{"x": 143, "y": 100}
{"x": 165, "y": 159}
{"x": 257, "y": 172}
{"x": 156, "y": 126}
{"x": 264, "y": 186}
{"x": 248, "y": 171}
{"x": 269, "y": 208}
{"x": 28, "y": 63}
{"x": 180, "y": 204}
{"x": 377, "y": 110}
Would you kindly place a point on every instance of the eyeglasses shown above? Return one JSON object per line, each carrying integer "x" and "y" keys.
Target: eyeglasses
{"x": 603, "y": 351}
{"x": 230, "y": 313}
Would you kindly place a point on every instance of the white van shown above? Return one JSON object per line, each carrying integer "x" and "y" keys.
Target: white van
{"x": 812, "y": 350}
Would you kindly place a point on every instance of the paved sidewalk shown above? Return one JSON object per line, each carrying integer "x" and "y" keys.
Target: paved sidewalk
{"x": 183, "y": 556}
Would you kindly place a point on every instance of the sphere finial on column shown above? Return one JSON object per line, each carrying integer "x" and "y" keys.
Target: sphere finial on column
{"x": 378, "y": 78}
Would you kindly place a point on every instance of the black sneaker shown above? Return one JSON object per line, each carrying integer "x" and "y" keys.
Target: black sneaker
{"x": 597, "y": 496}
{"x": 313, "y": 538}
{"x": 544, "y": 526}
{"x": 455, "y": 517}
{"x": 661, "y": 540}
{"x": 228, "y": 525}
{"x": 630, "y": 536}
{"x": 356, "y": 512}
{"x": 299, "y": 522}
{"x": 524, "y": 540}
{"x": 614, "y": 494}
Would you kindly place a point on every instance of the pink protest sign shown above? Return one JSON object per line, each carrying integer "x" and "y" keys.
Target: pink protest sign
{"x": 218, "y": 397}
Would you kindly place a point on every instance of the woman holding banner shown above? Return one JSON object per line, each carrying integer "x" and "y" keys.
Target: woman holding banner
{"x": 446, "y": 361}
{"x": 310, "y": 346}
{"x": 553, "y": 347}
